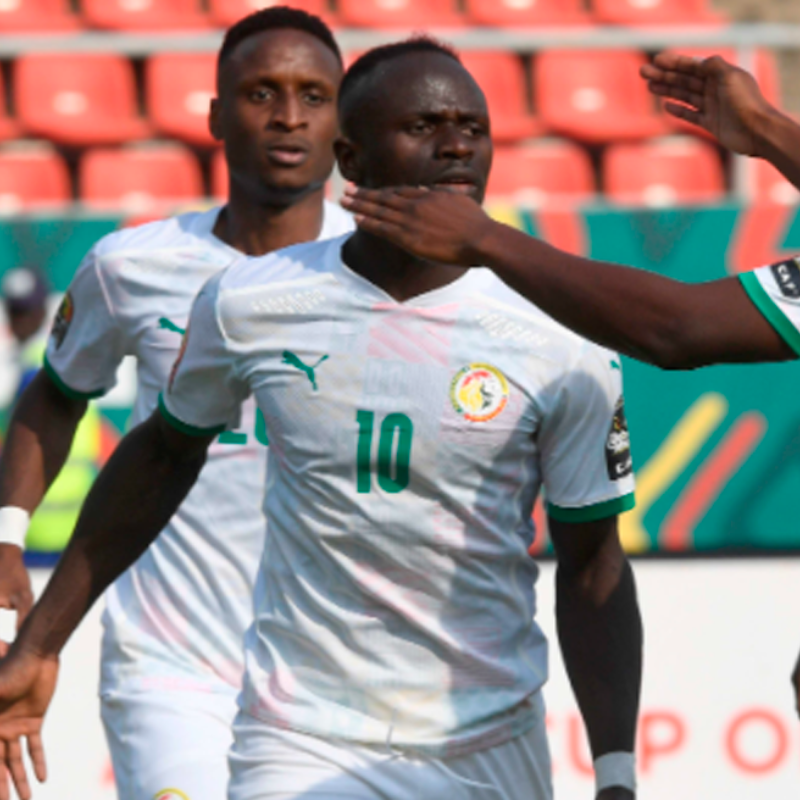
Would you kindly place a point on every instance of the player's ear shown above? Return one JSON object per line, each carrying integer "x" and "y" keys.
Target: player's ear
{"x": 347, "y": 158}
{"x": 214, "y": 124}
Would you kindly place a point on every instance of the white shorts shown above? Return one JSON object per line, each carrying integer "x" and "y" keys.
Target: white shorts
{"x": 169, "y": 745}
{"x": 268, "y": 763}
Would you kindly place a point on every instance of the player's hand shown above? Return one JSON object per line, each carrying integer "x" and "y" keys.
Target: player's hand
{"x": 437, "y": 225}
{"x": 615, "y": 793}
{"x": 796, "y": 685}
{"x": 15, "y": 584}
{"x": 27, "y": 682}
{"x": 722, "y": 99}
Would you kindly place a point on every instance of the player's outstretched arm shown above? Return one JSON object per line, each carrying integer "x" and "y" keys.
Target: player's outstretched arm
{"x": 141, "y": 487}
{"x": 670, "y": 324}
{"x": 725, "y": 101}
{"x": 37, "y": 445}
{"x": 600, "y": 632}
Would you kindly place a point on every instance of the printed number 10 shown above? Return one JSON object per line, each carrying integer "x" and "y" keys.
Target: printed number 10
{"x": 393, "y": 424}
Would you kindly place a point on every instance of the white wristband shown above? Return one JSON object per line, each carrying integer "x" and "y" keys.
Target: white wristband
{"x": 615, "y": 769}
{"x": 14, "y": 523}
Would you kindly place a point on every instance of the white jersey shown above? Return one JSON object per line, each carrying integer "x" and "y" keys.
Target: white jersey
{"x": 176, "y": 619}
{"x": 408, "y": 443}
{"x": 775, "y": 290}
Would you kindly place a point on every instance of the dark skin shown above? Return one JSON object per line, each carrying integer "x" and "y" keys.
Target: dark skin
{"x": 649, "y": 317}
{"x": 155, "y": 466}
{"x": 276, "y": 114}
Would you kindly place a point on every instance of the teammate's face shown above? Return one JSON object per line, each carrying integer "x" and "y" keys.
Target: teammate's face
{"x": 427, "y": 125}
{"x": 276, "y": 114}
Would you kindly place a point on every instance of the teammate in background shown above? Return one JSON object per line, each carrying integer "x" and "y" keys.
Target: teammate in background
{"x": 754, "y": 317}
{"x": 174, "y": 623}
{"x": 414, "y": 412}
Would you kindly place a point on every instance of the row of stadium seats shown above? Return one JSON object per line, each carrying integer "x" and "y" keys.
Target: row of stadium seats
{"x": 140, "y": 178}
{"x": 57, "y": 15}
{"x": 92, "y": 99}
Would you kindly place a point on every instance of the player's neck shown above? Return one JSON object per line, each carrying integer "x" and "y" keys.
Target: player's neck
{"x": 255, "y": 229}
{"x": 396, "y": 271}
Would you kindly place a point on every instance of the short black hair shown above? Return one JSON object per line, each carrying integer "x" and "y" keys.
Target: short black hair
{"x": 277, "y": 18}
{"x": 363, "y": 68}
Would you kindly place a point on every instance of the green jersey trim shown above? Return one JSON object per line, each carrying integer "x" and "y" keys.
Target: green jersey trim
{"x": 770, "y": 309}
{"x": 608, "y": 508}
{"x": 189, "y": 430}
{"x": 73, "y": 394}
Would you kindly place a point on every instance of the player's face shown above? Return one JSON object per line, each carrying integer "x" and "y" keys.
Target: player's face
{"x": 429, "y": 127}
{"x": 276, "y": 114}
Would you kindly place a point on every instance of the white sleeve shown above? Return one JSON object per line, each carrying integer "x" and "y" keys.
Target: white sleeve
{"x": 775, "y": 291}
{"x": 204, "y": 394}
{"x": 86, "y": 343}
{"x": 584, "y": 442}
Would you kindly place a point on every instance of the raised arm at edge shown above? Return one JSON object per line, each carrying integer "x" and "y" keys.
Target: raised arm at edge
{"x": 133, "y": 498}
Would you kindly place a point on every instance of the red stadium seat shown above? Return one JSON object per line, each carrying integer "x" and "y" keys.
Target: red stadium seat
{"x": 219, "y": 175}
{"x": 526, "y": 12}
{"x": 663, "y": 172}
{"x": 226, "y": 12}
{"x": 138, "y": 178}
{"x": 656, "y": 12}
{"x": 536, "y": 173}
{"x": 595, "y": 96}
{"x": 77, "y": 99}
{"x": 412, "y": 14}
{"x": 502, "y": 78}
{"x": 766, "y": 185}
{"x": 148, "y": 15}
{"x": 8, "y": 127}
{"x": 179, "y": 87}
{"x": 32, "y": 175}
{"x": 44, "y": 16}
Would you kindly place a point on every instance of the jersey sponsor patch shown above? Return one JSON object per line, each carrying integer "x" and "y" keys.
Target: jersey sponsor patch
{"x": 787, "y": 276}
{"x": 479, "y": 392}
{"x": 66, "y": 311}
{"x": 618, "y": 445}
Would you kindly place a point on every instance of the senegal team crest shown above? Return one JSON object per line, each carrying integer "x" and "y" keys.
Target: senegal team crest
{"x": 66, "y": 311}
{"x": 479, "y": 392}
{"x": 170, "y": 794}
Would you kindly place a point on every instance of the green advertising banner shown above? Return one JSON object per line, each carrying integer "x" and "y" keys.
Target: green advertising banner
{"x": 716, "y": 451}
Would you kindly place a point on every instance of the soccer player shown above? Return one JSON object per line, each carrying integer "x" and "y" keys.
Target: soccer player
{"x": 174, "y": 623}
{"x": 413, "y": 412}
{"x": 754, "y": 317}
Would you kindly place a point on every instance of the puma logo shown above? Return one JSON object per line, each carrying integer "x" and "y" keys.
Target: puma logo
{"x": 169, "y": 325}
{"x": 615, "y": 365}
{"x": 291, "y": 359}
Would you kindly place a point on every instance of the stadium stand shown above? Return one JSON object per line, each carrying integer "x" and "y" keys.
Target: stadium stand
{"x": 144, "y": 15}
{"x": 178, "y": 88}
{"x": 502, "y": 77}
{"x": 32, "y": 174}
{"x": 765, "y": 184}
{"x": 411, "y": 14}
{"x": 140, "y": 177}
{"x": 45, "y": 16}
{"x": 663, "y": 172}
{"x": 77, "y": 99}
{"x": 656, "y": 12}
{"x": 595, "y": 96}
{"x": 225, "y": 12}
{"x": 526, "y": 12}
{"x": 545, "y": 170}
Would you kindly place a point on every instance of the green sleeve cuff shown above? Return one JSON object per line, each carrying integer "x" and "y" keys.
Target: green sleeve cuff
{"x": 189, "y": 430}
{"x": 609, "y": 508}
{"x": 770, "y": 309}
{"x": 73, "y": 394}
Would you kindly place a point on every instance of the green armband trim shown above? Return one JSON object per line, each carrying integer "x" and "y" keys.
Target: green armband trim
{"x": 73, "y": 394}
{"x": 771, "y": 311}
{"x": 189, "y": 430}
{"x": 608, "y": 508}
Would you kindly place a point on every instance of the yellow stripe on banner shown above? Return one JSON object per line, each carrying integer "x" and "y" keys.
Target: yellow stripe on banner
{"x": 668, "y": 462}
{"x": 507, "y": 214}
